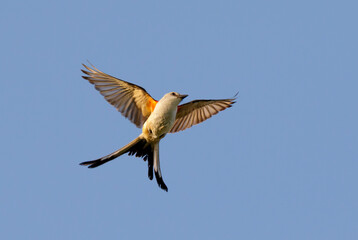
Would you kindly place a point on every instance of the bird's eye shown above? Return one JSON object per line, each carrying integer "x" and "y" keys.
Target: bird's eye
{"x": 173, "y": 94}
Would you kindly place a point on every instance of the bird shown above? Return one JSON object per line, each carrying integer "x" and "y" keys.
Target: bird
{"x": 156, "y": 118}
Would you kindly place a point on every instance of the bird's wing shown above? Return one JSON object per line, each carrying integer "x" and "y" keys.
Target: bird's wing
{"x": 131, "y": 100}
{"x": 197, "y": 111}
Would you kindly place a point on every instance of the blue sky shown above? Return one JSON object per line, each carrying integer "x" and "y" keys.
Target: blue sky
{"x": 280, "y": 164}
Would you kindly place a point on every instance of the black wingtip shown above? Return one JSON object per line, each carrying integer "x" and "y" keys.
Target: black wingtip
{"x": 84, "y": 71}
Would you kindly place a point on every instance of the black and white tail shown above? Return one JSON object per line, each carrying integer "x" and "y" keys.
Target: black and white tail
{"x": 139, "y": 147}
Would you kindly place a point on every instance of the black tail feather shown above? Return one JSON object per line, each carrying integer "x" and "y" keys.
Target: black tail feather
{"x": 160, "y": 182}
{"x": 141, "y": 149}
{"x": 100, "y": 161}
{"x": 144, "y": 150}
{"x": 94, "y": 163}
{"x": 150, "y": 168}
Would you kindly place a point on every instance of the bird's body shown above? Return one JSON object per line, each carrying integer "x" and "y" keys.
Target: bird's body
{"x": 161, "y": 120}
{"x": 157, "y": 118}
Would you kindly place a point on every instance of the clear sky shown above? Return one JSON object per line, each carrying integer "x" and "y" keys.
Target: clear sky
{"x": 281, "y": 164}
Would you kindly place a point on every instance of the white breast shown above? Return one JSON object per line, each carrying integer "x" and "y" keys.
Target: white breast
{"x": 162, "y": 118}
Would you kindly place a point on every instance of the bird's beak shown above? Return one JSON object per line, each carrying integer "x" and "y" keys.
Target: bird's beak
{"x": 183, "y": 96}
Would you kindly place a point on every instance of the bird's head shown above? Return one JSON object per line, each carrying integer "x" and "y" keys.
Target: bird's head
{"x": 172, "y": 99}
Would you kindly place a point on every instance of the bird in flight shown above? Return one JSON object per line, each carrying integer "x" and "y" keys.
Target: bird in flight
{"x": 156, "y": 118}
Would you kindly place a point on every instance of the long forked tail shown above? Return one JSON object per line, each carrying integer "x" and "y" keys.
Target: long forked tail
{"x": 109, "y": 157}
{"x": 127, "y": 148}
{"x": 138, "y": 147}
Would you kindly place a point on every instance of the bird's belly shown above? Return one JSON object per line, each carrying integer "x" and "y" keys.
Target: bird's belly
{"x": 156, "y": 127}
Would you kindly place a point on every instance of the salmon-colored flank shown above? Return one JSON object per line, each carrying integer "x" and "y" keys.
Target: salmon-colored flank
{"x": 151, "y": 104}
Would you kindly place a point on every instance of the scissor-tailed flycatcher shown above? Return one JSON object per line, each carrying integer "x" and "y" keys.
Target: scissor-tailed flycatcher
{"x": 156, "y": 118}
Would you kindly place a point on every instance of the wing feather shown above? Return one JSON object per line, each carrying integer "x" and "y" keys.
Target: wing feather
{"x": 129, "y": 99}
{"x": 194, "y": 112}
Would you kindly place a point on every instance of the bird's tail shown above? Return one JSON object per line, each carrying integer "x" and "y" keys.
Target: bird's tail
{"x": 157, "y": 171}
{"x": 139, "y": 147}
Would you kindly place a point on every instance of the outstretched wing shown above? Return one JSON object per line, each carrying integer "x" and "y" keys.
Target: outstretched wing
{"x": 197, "y": 111}
{"x": 131, "y": 100}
